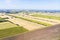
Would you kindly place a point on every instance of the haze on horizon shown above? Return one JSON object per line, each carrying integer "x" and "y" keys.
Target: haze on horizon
{"x": 30, "y": 4}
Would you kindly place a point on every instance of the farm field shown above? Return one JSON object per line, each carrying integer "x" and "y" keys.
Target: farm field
{"x": 41, "y": 20}
{"x": 8, "y": 29}
{"x": 46, "y": 21}
{"x": 7, "y": 25}
{"x": 14, "y": 24}
{"x": 32, "y": 20}
{"x": 46, "y": 16}
{"x": 26, "y": 24}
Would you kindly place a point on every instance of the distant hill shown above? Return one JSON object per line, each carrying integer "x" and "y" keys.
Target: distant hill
{"x": 18, "y": 10}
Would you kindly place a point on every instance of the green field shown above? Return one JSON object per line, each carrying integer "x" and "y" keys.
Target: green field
{"x": 8, "y": 29}
{"x": 46, "y": 16}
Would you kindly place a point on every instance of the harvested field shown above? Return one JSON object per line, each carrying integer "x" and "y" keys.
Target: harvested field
{"x": 33, "y": 20}
{"x": 26, "y": 24}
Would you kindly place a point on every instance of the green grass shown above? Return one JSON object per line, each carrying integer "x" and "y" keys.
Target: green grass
{"x": 11, "y": 31}
{"x": 42, "y": 23}
{"x": 8, "y": 29}
{"x": 46, "y": 16}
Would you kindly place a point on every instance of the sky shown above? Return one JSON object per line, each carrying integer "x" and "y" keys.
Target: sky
{"x": 30, "y": 4}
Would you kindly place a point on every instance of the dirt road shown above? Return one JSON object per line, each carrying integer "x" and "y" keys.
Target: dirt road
{"x": 51, "y": 33}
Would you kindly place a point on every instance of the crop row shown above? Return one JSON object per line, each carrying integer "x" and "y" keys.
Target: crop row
{"x": 42, "y": 23}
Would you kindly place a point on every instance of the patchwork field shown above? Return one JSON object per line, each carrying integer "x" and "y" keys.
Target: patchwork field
{"x": 14, "y": 24}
